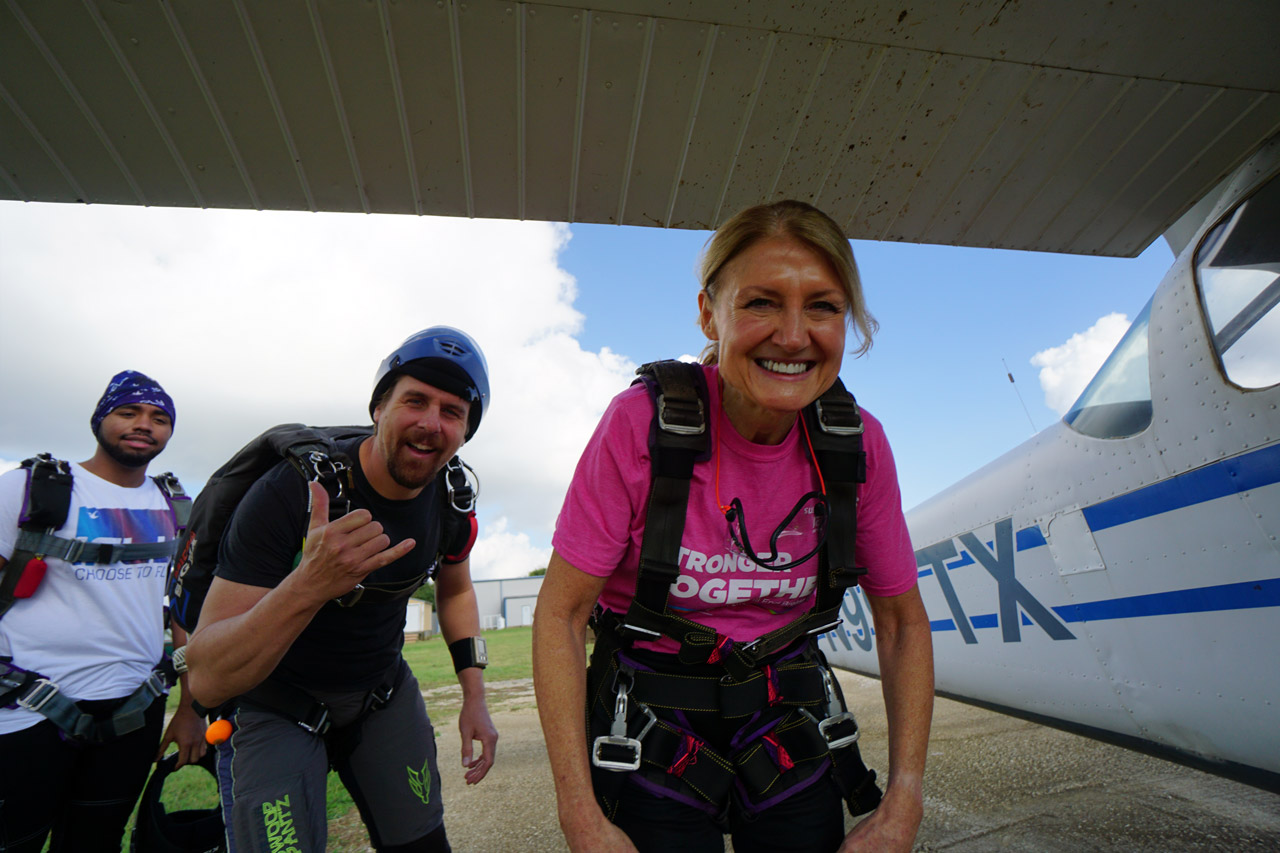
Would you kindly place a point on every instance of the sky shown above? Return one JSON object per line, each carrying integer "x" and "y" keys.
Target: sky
{"x": 252, "y": 318}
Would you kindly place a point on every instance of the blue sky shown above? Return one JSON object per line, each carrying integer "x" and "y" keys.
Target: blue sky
{"x": 251, "y": 319}
{"x": 948, "y": 316}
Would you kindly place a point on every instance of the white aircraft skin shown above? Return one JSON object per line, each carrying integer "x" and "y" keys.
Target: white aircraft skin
{"x": 1126, "y": 588}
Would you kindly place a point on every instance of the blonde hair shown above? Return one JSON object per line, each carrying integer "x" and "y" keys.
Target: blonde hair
{"x": 800, "y": 221}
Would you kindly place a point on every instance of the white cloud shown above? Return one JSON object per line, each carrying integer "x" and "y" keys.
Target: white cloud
{"x": 255, "y": 318}
{"x": 1065, "y": 370}
{"x": 506, "y": 554}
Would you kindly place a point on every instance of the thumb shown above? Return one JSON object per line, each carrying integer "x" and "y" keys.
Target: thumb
{"x": 319, "y": 506}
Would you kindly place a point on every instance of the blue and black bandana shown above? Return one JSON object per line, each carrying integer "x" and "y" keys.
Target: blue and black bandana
{"x": 129, "y": 387}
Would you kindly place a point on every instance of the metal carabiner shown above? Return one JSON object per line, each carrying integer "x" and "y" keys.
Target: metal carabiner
{"x": 834, "y": 727}
{"x": 462, "y": 485}
{"x": 615, "y": 751}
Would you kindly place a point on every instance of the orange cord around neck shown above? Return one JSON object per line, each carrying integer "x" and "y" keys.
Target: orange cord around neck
{"x": 804, "y": 427}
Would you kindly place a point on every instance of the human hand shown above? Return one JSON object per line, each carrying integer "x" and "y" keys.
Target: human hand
{"x": 595, "y": 834}
{"x": 186, "y": 731}
{"x": 474, "y": 724}
{"x": 338, "y": 555}
{"x": 891, "y": 827}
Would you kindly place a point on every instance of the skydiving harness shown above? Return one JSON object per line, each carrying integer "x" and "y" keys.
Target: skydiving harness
{"x": 45, "y": 505}
{"x": 778, "y": 689}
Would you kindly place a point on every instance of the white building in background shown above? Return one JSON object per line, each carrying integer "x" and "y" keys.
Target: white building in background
{"x": 503, "y": 603}
{"x": 507, "y": 602}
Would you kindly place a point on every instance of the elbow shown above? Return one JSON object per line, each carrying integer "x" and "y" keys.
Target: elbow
{"x": 203, "y": 690}
{"x": 203, "y": 682}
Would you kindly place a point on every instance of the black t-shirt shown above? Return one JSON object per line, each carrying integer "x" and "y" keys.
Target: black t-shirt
{"x": 344, "y": 648}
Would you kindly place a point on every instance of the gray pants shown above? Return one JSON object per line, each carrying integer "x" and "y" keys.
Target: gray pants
{"x": 272, "y": 774}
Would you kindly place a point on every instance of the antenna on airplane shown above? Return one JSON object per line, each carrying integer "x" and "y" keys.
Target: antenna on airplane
{"x": 1009, "y": 373}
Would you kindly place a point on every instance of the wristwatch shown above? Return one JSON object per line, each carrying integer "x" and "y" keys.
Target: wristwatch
{"x": 471, "y": 651}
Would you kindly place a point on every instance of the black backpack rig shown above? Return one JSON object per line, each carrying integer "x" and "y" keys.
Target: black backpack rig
{"x": 313, "y": 453}
{"x": 45, "y": 506}
{"x": 783, "y": 671}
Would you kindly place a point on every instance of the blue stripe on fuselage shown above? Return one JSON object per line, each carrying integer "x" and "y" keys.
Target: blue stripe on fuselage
{"x": 1220, "y": 479}
{"x": 1232, "y": 596}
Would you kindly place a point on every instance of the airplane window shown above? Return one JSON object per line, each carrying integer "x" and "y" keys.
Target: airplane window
{"x": 1117, "y": 402}
{"x": 1238, "y": 269}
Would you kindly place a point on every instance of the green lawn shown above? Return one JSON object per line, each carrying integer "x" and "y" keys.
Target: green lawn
{"x": 510, "y": 656}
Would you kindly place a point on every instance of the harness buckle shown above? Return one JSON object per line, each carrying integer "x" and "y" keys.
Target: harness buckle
{"x": 321, "y": 724}
{"x": 41, "y": 693}
{"x": 681, "y": 418}
{"x": 350, "y": 599}
{"x": 635, "y": 632}
{"x": 838, "y": 417}
{"x": 155, "y": 684}
{"x": 822, "y": 629}
{"x": 839, "y": 728}
{"x": 835, "y": 730}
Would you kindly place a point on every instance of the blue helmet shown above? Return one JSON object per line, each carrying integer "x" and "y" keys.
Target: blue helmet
{"x": 444, "y": 357}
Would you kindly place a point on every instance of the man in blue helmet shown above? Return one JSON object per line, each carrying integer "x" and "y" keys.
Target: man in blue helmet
{"x": 303, "y": 622}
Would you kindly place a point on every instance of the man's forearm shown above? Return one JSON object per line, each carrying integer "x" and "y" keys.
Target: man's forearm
{"x": 232, "y": 655}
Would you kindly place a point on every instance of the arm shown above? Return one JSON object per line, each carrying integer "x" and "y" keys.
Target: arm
{"x": 460, "y": 619}
{"x": 904, "y": 645}
{"x": 186, "y": 729}
{"x": 559, "y": 680}
{"x": 245, "y": 630}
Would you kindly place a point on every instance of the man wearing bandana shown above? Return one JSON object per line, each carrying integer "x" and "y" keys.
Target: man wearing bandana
{"x": 96, "y": 631}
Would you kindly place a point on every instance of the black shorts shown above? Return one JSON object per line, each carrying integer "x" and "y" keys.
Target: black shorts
{"x": 272, "y": 773}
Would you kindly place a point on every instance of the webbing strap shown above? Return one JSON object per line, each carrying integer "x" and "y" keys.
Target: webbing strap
{"x": 678, "y": 437}
{"x": 78, "y": 551}
{"x": 835, "y": 429}
{"x": 767, "y": 760}
{"x": 795, "y": 685}
{"x": 32, "y": 692}
{"x": 177, "y": 498}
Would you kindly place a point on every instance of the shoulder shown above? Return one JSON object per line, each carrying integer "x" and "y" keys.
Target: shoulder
{"x": 872, "y": 430}
{"x": 13, "y": 482}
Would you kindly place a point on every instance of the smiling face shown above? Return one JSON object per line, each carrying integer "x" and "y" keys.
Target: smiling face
{"x": 779, "y": 315}
{"x": 135, "y": 434}
{"x": 418, "y": 429}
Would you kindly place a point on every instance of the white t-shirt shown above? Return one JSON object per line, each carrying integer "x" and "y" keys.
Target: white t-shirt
{"x": 94, "y": 630}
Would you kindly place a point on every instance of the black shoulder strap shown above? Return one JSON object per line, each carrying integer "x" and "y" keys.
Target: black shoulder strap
{"x": 177, "y": 498}
{"x": 45, "y": 505}
{"x": 835, "y": 429}
{"x": 48, "y": 497}
{"x": 679, "y": 437}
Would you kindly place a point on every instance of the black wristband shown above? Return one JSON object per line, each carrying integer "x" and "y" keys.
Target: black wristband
{"x": 472, "y": 651}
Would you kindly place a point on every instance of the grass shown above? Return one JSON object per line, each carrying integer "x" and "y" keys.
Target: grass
{"x": 510, "y": 655}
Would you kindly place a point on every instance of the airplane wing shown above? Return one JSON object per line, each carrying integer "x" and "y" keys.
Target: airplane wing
{"x": 1087, "y": 128}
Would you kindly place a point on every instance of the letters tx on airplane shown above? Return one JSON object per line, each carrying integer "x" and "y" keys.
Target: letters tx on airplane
{"x": 1118, "y": 575}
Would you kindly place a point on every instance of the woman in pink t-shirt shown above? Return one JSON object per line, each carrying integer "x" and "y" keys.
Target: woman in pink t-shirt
{"x": 779, "y": 290}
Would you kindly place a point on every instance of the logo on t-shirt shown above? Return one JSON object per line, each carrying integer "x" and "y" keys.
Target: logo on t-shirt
{"x": 117, "y": 525}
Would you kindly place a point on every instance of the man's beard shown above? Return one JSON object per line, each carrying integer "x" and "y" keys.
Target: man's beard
{"x": 130, "y": 458}
{"x": 407, "y": 477}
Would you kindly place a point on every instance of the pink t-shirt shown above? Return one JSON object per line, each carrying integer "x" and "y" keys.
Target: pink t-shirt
{"x": 601, "y": 524}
